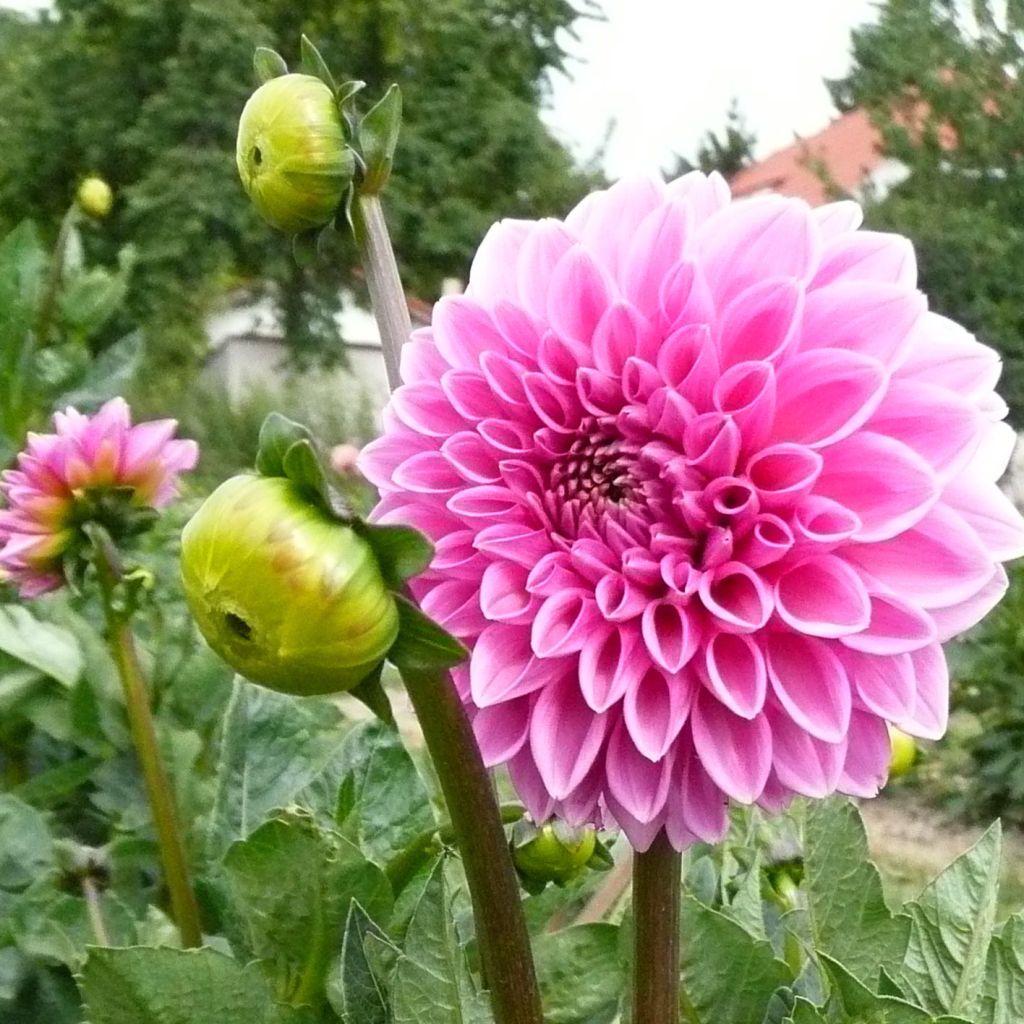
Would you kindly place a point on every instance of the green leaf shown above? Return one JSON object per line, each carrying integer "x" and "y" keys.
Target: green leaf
{"x": 402, "y": 551}
{"x": 45, "y": 647}
{"x": 849, "y": 918}
{"x": 144, "y": 985}
{"x": 745, "y": 905}
{"x": 314, "y": 64}
{"x": 431, "y": 981}
{"x": 728, "y": 975}
{"x": 353, "y": 990}
{"x": 581, "y": 973}
{"x": 1003, "y": 999}
{"x": 952, "y": 921}
{"x": 268, "y": 64}
{"x": 862, "y": 1006}
{"x": 55, "y": 784}
{"x": 422, "y": 645}
{"x": 805, "y": 1013}
{"x": 26, "y": 844}
{"x": 378, "y": 138}
{"x": 382, "y": 801}
{"x": 291, "y": 884}
{"x": 109, "y": 374}
{"x": 275, "y": 751}
{"x": 277, "y": 435}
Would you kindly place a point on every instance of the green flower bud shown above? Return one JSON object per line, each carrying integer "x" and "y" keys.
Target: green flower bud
{"x": 291, "y": 153}
{"x": 95, "y": 197}
{"x": 288, "y": 596}
{"x": 904, "y": 752}
{"x": 552, "y": 853}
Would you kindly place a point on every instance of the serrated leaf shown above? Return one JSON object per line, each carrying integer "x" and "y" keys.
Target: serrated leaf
{"x": 862, "y": 1006}
{"x": 109, "y": 374}
{"x": 268, "y": 64}
{"x": 291, "y": 884}
{"x": 402, "y": 551}
{"x": 581, "y": 973}
{"x": 26, "y": 844}
{"x": 314, "y": 64}
{"x": 745, "y": 905}
{"x": 275, "y": 751}
{"x": 849, "y": 918}
{"x": 951, "y": 928}
{"x": 805, "y": 1013}
{"x": 144, "y": 985}
{"x": 729, "y": 976}
{"x": 382, "y": 801}
{"x": 422, "y": 645}
{"x": 431, "y": 981}
{"x": 378, "y": 138}
{"x": 353, "y": 990}
{"x": 42, "y": 645}
{"x": 1003, "y": 999}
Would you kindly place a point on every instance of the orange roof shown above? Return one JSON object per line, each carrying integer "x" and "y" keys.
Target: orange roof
{"x": 848, "y": 150}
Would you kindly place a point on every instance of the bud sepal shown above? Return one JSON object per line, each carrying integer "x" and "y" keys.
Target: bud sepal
{"x": 555, "y": 852}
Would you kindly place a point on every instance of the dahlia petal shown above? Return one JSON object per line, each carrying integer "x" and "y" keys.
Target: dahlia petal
{"x": 703, "y": 194}
{"x": 427, "y": 473}
{"x": 619, "y": 598}
{"x": 949, "y": 356}
{"x": 802, "y": 762}
{"x": 702, "y": 806}
{"x": 455, "y": 555}
{"x": 621, "y": 333}
{"x": 455, "y": 604}
{"x": 471, "y": 456}
{"x": 530, "y": 786}
{"x": 930, "y": 716}
{"x": 735, "y": 752}
{"x": 885, "y": 685}
{"x": 462, "y": 330}
{"x": 744, "y": 238}
{"x": 420, "y": 360}
{"x": 559, "y": 359}
{"x": 869, "y": 317}
{"x": 688, "y": 362}
{"x": 425, "y": 408}
{"x": 684, "y": 297}
{"x": 670, "y": 634}
{"x": 579, "y": 294}
{"x": 990, "y": 514}
{"x": 737, "y": 596}
{"x": 563, "y": 624}
{"x": 514, "y": 542}
{"x": 566, "y": 736}
{"x": 503, "y": 667}
{"x": 609, "y": 665}
{"x": 823, "y": 597}
{"x": 144, "y": 443}
{"x": 735, "y": 673}
{"x": 712, "y": 443}
{"x": 882, "y": 481}
{"x": 769, "y": 540}
{"x": 810, "y": 682}
{"x": 638, "y": 784}
{"x": 761, "y": 322}
{"x": 822, "y": 523}
{"x": 655, "y": 709}
{"x": 379, "y": 459}
{"x": 556, "y": 405}
{"x": 746, "y": 393}
{"x": 896, "y": 626}
{"x": 783, "y": 473}
{"x": 838, "y": 218}
{"x": 825, "y": 395}
{"x": 936, "y": 563}
{"x": 484, "y": 502}
{"x": 657, "y": 245}
{"x": 868, "y": 256}
{"x": 503, "y": 593}
{"x": 489, "y": 279}
{"x": 504, "y": 376}
{"x": 867, "y": 756}
{"x": 775, "y": 797}
{"x": 957, "y": 618}
{"x": 541, "y": 252}
{"x": 469, "y": 394}
{"x": 502, "y": 729}
{"x": 640, "y": 834}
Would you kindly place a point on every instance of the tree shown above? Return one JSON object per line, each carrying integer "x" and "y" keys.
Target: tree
{"x": 727, "y": 152}
{"x": 942, "y": 82}
{"x": 148, "y": 92}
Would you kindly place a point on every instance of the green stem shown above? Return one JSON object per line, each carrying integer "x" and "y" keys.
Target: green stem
{"x": 48, "y": 302}
{"x": 95, "y": 911}
{"x": 657, "y": 886}
{"x": 501, "y": 933}
{"x": 184, "y": 908}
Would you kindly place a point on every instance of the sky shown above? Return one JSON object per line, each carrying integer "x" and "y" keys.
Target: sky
{"x": 662, "y": 72}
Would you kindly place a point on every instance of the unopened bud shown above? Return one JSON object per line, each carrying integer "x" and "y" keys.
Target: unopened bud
{"x": 555, "y": 852}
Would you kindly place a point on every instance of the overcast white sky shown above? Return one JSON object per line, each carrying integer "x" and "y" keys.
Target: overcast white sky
{"x": 664, "y": 71}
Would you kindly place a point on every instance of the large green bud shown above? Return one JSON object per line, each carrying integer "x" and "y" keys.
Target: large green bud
{"x": 289, "y": 596}
{"x": 292, "y": 156}
{"x": 555, "y": 852}
{"x": 94, "y": 196}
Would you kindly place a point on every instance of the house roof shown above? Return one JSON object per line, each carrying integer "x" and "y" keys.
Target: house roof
{"x": 848, "y": 150}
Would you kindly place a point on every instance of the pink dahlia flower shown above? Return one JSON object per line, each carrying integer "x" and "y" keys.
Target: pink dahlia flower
{"x": 709, "y": 487}
{"x": 66, "y": 478}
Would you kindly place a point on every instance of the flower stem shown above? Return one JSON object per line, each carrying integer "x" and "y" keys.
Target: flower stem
{"x": 476, "y": 823}
{"x": 92, "y": 905}
{"x": 48, "y": 303}
{"x": 656, "y": 948}
{"x": 184, "y": 908}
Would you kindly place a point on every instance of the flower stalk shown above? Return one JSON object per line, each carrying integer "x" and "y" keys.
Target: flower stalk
{"x": 184, "y": 907}
{"x": 657, "y": 884}
{"x": 502, "y": 936}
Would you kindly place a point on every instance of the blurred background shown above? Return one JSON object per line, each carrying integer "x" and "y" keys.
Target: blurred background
{"x": 180, "y": 298}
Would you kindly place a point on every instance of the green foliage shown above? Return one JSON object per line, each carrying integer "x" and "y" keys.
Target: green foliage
{"x": 938, "y": 80}
{"x": 727, "y": 152}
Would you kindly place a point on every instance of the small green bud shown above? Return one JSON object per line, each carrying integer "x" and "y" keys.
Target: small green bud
{"x": 904, "y": 752}
{"x": 289, "y": 596}
{"x": 555, "y": 852}
{"x": 292, "y": 156}
{"x": 95, "y": 197}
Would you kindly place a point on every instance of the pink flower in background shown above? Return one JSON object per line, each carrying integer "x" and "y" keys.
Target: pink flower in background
{"x": 87, "y": 456}
{"x": 709, "y": 487}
